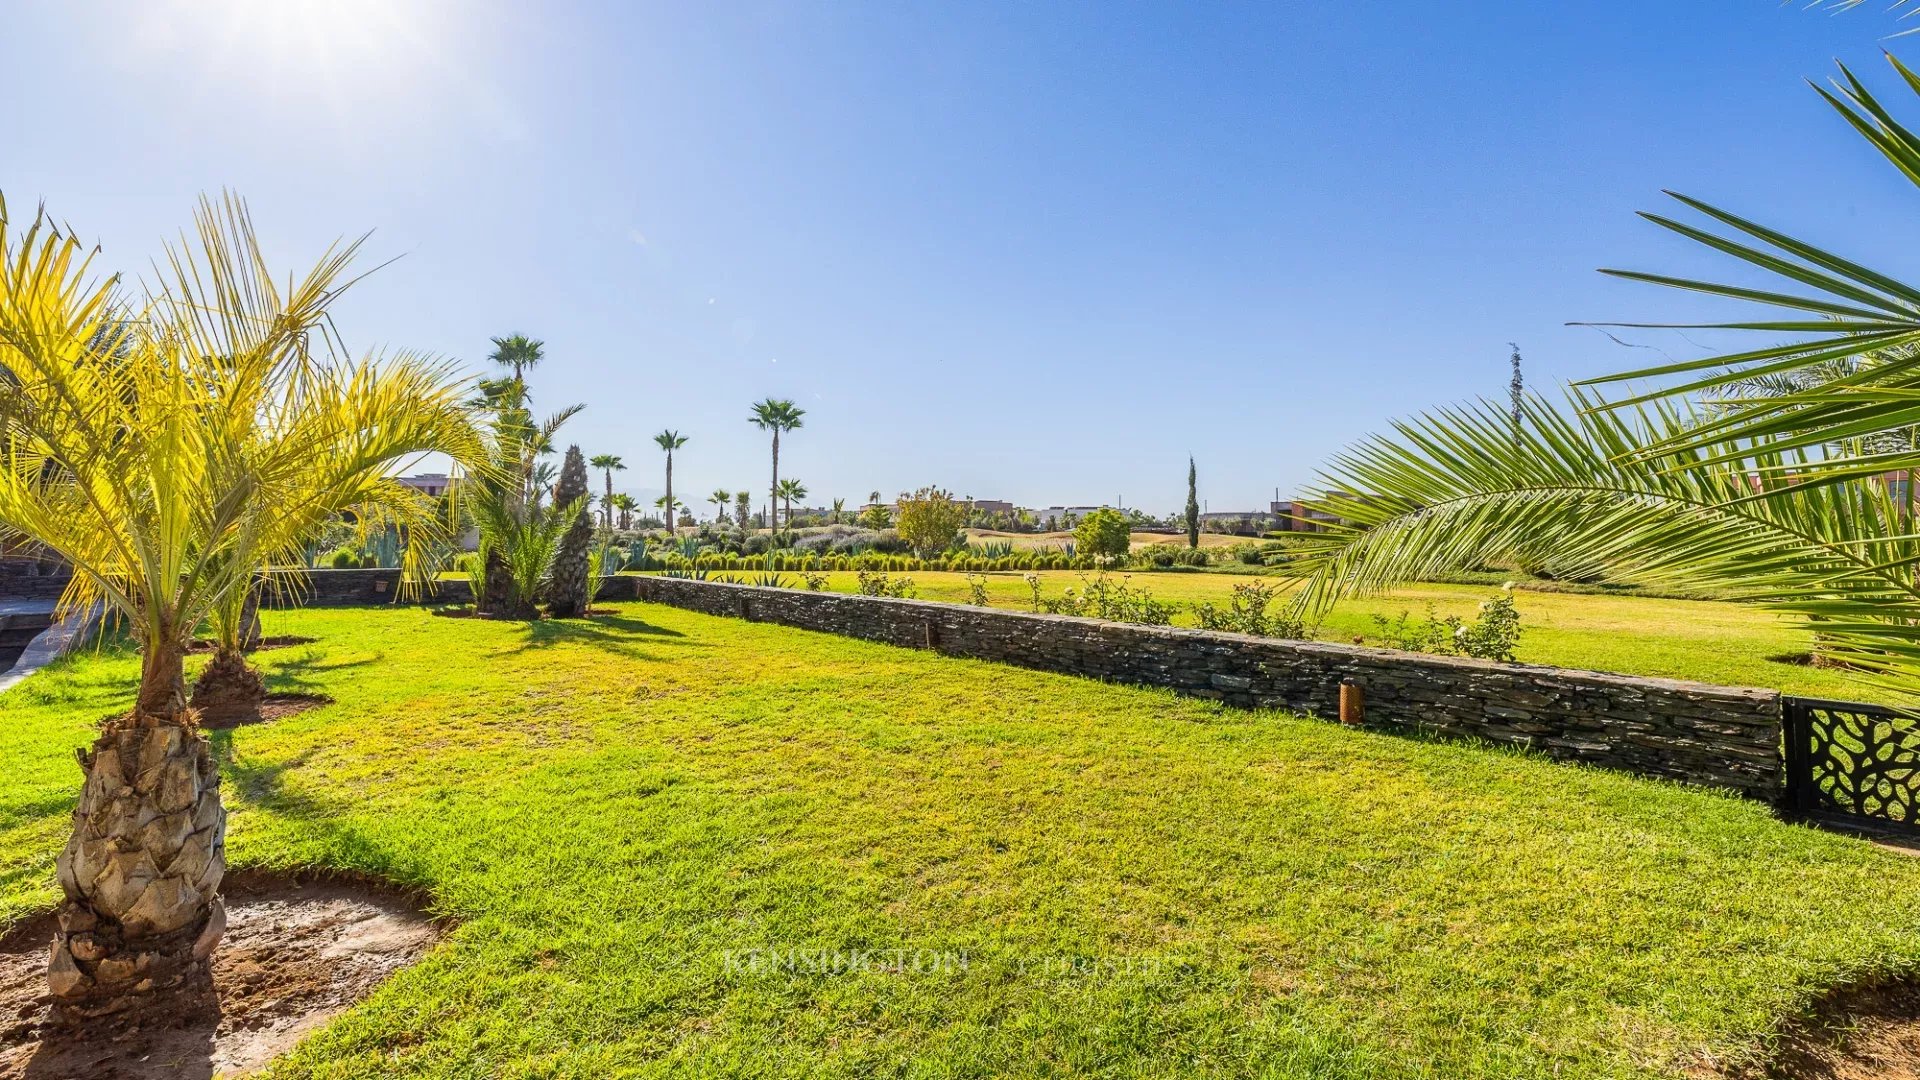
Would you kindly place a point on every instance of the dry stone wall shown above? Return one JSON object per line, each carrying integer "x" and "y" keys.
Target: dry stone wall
{"x": 1720, "y": 736}
{"x": 1715, "y": 735}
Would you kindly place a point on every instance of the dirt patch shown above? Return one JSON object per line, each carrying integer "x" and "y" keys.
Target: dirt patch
{"x": 275, "y": 707}
{"x": 296, "y": 954}
{"x": 278, "y": 641}
{"x": 1861, "y": 1033}
{"x": 1816, "y": 660}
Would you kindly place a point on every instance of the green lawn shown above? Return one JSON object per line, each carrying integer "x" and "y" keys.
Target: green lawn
{"x": 1704, "y": 640}
{"x": 1104, "y": 880}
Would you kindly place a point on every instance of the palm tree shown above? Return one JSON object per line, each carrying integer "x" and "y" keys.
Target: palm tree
{"x": 670, "y": 441}
{"x": 873, "y": 497}
{"x": 1771, "y": 489}
{"x": 625, "y": 504}
{"x": 540, "y": 481}
{"x": 569, "y": 589}
{"x": 720, "y": 498}
{"x": 608, "y": 463}
{"x": 518, "y": 352}
{"x": 1610, "y": 493}
{"x": 517, "y": 533}
{"x": 790, "y": 490}
{"x": 666, "y": 504}
{"x": 743, "y": 509}
{"x": 775, "y": 415}
{"x": 204, "y": 441}
{"x": 839, "y": 507}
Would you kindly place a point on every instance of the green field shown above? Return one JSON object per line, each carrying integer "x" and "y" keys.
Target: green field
{"x": 1048, "y": 876}
{"x": 1704, "y": 640}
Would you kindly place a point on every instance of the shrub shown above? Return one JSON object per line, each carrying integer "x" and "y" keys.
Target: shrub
{"x": 930, "y": 520}
{"x": 344, "y": 558}
{"x": 1492, "y": 634}
{"x": 1033, "y": 585}
{"x": 1430, "y": 634}
{"x": 1101, "y": 598}
{"x": 1246, "y": 613}
{"x": 977, "y": 590}
{"x": 877, "y": 583}
{"x": 1102, "y": 534}
{"x": 814, "y": 580}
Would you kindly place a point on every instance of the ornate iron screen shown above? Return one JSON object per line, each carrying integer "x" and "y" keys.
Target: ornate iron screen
{"x": 1853, "y": 763}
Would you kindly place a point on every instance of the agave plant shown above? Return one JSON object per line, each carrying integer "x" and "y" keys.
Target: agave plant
{"x": 169, "y": 446}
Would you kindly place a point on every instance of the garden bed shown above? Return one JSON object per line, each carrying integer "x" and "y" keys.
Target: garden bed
{"x": 296, "y": 953}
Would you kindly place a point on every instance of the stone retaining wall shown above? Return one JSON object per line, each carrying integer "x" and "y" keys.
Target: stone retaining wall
{"x": 1715, "y": 735}
{"x": 23, "y": 577}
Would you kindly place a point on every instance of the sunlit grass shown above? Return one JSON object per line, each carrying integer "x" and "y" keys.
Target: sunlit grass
{"x": 1703, "y": 640}
{"x": 1095, "y": 880}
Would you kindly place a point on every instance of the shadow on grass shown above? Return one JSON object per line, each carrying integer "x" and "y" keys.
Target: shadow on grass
{"x": 298, "y": 676}
{"x": 613, "y": 633}
{"x": 263, "y": 787}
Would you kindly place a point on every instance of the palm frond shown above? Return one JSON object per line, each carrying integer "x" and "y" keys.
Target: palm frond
{"x": 173, "y": 448}
{"x": 1615, "y": 492}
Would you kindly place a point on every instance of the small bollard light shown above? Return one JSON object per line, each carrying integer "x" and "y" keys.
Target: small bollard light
{"x": 1353, "y": 703}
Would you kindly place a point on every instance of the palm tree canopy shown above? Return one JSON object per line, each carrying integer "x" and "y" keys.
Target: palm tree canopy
{"x": 610, "y": 462}
{"x": 517, "y": 351}
{"x": 776, "y": 414}
{"x": 792, "y": 489}
{"x": 1613, "y": 492}
{"x": 670, "y": 440}
{"x": 1832, "y": 308}
{"x": 170, "y": 455}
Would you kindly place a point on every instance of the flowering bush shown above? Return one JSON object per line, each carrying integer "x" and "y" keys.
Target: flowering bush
{"x": 1247, "y": 613}
{"x": 1491, "y": 635}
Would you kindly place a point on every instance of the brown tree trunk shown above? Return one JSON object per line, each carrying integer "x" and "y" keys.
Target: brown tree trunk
{"x": 142, "y": 870}
{"x": 250, "y": 635}
{"x": 669, "y": 494}
{"x": 773, "y": 497}
{"x": 497, "y": 596}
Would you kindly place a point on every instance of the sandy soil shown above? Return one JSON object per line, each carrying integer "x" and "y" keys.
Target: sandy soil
{"x": 1864, "y": 1033}
{"x": 276, "y": 707}
{"x": 294, "y": 956}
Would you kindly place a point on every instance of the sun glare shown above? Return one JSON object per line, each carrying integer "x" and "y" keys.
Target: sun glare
{"x": 343, "y": 52}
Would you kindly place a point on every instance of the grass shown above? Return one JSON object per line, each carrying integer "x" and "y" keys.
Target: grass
{"x": 1702, "y": 640}
{"x": 1082, "y": 879}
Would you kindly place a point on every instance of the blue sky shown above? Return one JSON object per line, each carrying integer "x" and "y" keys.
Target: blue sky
{"x": 1039, "y": 252}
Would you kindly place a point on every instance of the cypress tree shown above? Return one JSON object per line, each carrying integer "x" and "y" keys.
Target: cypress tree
{"x": 1193, "y": 506}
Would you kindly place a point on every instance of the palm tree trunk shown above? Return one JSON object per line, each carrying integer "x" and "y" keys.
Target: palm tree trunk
{"x": 496, "y": 597}
{"x": 142, "y": 870}
{"x": 607, "y": 507}
{"x": 250, "y": 635}
{"x": 773, "y": 495}
{"x": 669, "y": 493}
{"x": 229, "y": 688}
